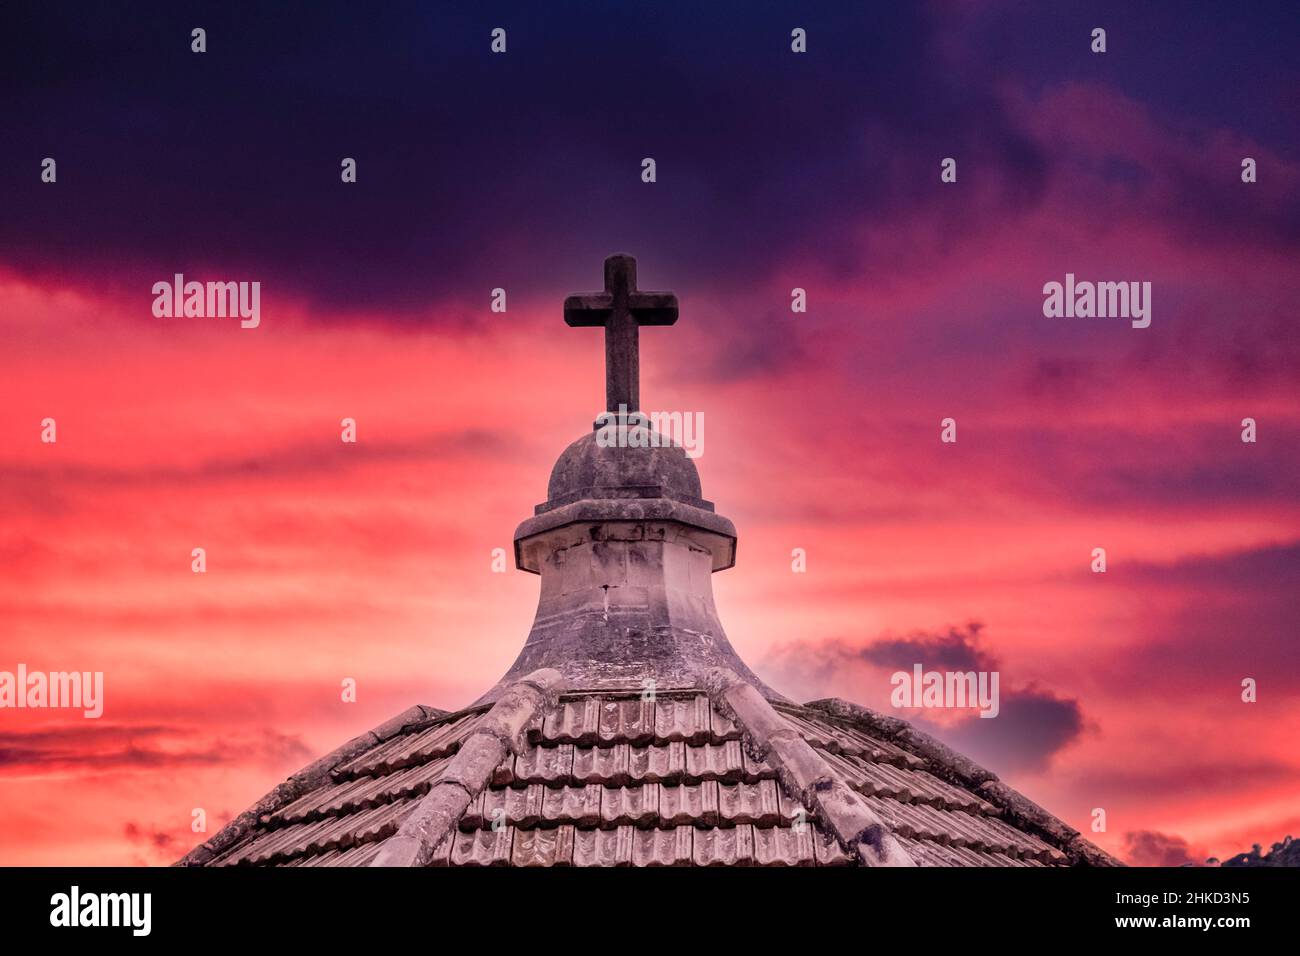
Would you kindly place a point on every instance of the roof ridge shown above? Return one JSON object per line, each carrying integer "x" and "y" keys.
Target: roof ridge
{"x": 502, "y": 730}
{"x": 804, "y": 772}
{"x": 304, "y": 781}
{"x": 981, "y": 781}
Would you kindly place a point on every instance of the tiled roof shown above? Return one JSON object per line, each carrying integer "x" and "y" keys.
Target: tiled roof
{"x": 601, "y": 779}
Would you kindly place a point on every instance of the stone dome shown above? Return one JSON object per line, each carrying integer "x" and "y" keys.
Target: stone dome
{"x": 646, "y": 466}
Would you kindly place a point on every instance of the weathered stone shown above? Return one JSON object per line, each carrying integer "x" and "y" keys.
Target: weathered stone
{"x": 883, "y": 850}
{"x": 762, "y": 724}
{"x": 400, "y": 849}
{"x": 856, "y": 827}
{"x": 305, "y": 780}
{"x": 618, "y": 613}
{"x": 196, "y": 857}
{"x": 1081, "y": 851}
{"x": 470, "y": 771}
{"x": 412, "y": 715}
{"x": 801, "y": 768}
{"x": 590, "y": 468}
{"x": 516, "y": 710}
{"x": 1024, "y": 811}
{"x": 944, "y": 761}
{"x": 550, "y": 682}
{"x": 856, "y": 713}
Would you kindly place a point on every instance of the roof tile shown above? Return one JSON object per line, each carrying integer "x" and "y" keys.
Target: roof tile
{"x": 783, "y": 846}
{"x": 552, "y": 847}
{"x": 755, "y": 770}
{"x": 931, "y": 853}
{"x": 482, "y": 847}
{"x": 715, "y": 762}
{"x": 721, "y": 728}
{"x": 683, "y": 719}
{"x": 959, "y": 828}
{"x": 689, "y": 804}
{"x": 503, "y": 775}
{"x": 441, "y": 855}
{"x": 662, "y": 847}
{"x": 573, "y": 722}
{"x": 866, "y": 776}
{"x": 577, "y": 805}
{"x": 657, "y": 763}
{"x": 627, "y": 721}
{"x": 549, "y": 765}
{"x": 440, "y": 740}
{"x": 818, "y": 734}
{"x": 357, "y": 856}
{"x": 723, "y": 846}
{"x": 635, "y": 806}
{"x": 513, "y": 807}
{"x": 473, "y": 817}
{"x": 325, "y": 834}
{"x": 850, "y": 740}
{"x": 750, "y": 803}
{"x": 607, "y": 765}
{"x": 931, "y": 789}
{"x": 360, "y": 793}
{"x": 603, "y": 847}
{"x": 793, "y": 813}
{"x": 826, "y": 849}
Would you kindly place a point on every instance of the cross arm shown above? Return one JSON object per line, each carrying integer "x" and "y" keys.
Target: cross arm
{"x": 592, "y": 308}
{"x": 653, "y": 308}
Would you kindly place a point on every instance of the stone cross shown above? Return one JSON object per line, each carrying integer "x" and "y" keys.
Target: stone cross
{"x": 622, "y": 309}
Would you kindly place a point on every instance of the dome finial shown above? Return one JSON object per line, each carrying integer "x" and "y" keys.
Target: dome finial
{"x": 622, "y": 309}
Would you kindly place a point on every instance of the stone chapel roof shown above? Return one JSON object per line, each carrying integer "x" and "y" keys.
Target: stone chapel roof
{"x": 628, "y": 731}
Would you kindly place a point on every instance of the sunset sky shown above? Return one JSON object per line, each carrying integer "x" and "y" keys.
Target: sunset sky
{"x": 522, "y": 171}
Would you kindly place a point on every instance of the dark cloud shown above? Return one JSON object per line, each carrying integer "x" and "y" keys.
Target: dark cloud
{"x": 1272, "y": 567}
{"x": 157, "y": 839}
{"x": 152, "y": 845}
{"x": 522, "y": 170}
{"x": 772, "y": 345}
{"x": 1209, "y": 479}
{"x": 50, "y": 489}
{"x": 97, "y": 748}
{"x": 809, "y": 667}
{"x": 1059, "y": 378}
{"x": 1033, "y": 723}
{"x": 1032, "y": 726}
{"x": 1185, "y": 778}
{"x": 956, "y": 649}
{"x": 1237, "y": 619}
{"x": 1191, "y": 466}
{"x": 477, "y": 170}
{"x": 1151, "y": 848}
